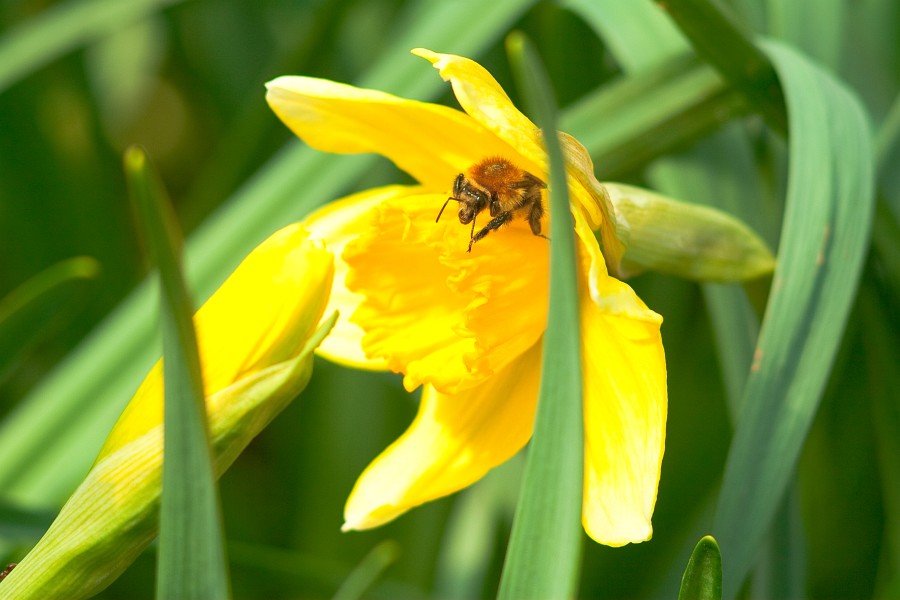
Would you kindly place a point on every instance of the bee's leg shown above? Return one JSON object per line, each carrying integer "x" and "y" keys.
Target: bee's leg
{"x": 493, "y": 224}
{"x": 534, "y": 219}
{"x": 495, "y": 207}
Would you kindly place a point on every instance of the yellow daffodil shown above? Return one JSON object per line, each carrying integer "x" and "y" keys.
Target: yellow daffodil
{"x": 468, "y": 326}
{"x": 255, "y": 336}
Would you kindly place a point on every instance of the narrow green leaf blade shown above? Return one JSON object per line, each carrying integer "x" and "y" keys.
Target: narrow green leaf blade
{"x": 631, "y": 121}
{"x": 824, "y": 239}
{"x": 702, "y": 578}
{"x": 80, "y": 267}
{"x": 61, "y": 29}
{"x": 621, "y": 23}
{"x": 882, "y": 348}
{"x": 191, "y": 550}
{"x": 718, "y": 39}
{"x": 815, "y": 27}
{"x": 544, "y": 553}
{"x": 29, "y": 312}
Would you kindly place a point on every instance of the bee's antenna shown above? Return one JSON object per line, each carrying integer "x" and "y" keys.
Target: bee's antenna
{"x": 443, "y": 207}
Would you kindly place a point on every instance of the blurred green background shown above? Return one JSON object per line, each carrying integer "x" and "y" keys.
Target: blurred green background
{"x": 185, "y": 80}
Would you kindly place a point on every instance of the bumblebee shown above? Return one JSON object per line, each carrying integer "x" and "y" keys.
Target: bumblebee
{"x": 501, "y": 187}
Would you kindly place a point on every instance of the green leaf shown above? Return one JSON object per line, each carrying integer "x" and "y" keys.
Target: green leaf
{"x": 191, "y": 551}
{"x": 62, "y": 28}
{"x": 887, "y": 143}
{"x": 814, "y": 27}
{"x": 882, "y": 353}
{"x": 40, "y": 300}
{"x": 637, "y": 118}
{"x": 623, "y": 26}
{"x": 718, "y": 39}
{"x": 780, "y": 571}
{"x": 59, "y": 427}
{"x": 720, "y": 172}
{"x": 702, "y": 578}
{"x": 886, "y": 234}
{"x": 823, "y": 242}
{"x": 544, "y": 554}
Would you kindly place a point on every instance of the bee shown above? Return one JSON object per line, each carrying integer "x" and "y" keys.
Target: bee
{"x": 501, "y": 187}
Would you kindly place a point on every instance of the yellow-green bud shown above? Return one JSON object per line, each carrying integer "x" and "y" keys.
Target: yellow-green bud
{"x": 688, "y": 240}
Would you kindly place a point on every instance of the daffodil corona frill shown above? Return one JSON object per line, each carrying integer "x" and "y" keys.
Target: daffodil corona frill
{"x": 468, "y": 326}
{"x": 255, "y": 335}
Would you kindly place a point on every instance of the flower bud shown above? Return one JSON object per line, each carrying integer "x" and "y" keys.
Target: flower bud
{"x": 688, "y": 240}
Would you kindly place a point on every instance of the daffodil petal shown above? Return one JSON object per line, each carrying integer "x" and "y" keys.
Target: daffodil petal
{"x": 433, "y": 143}
{"x": 479, "y": 94}
{"x": 625, "y": 403}
{"x": 337, "y": 223}
{"x": 412, "y": 318}
{"x": 453, "y": 442}
{"x": 262, "y": 315}
{"x": 605, "y": 291}
{"x": 592, "y": 198}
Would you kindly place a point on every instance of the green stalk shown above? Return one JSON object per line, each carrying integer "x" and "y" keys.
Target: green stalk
{"x": 544, "y": 554}
{"x": 192, "y": 561}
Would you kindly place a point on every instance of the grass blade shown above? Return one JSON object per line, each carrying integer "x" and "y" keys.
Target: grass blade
{"x": 191, "y": 550}
{"x": 544, "y": 551}
{"x": 824, "y": 239}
